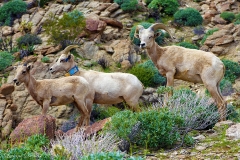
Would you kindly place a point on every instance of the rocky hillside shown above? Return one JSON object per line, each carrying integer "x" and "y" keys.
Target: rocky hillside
{"x": 109, "y": 28}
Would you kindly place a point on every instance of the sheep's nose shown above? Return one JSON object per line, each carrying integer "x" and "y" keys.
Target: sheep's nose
{"x": 14, "y": 80}
{"x": 142, "y": 45}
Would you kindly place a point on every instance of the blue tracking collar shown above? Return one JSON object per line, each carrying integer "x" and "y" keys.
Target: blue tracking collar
{"x": 73, "y": 70}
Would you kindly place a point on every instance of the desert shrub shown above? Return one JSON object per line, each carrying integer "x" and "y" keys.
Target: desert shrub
{"x": 199, "y": 30}
{"x": 169, "y": 7}
{"x": 28, "y": 40}
{"x": 237, "y": 19}
{"x": 237, "y": 22}
{"x": 25, "y": 27}
{"x": 197, "y": 112}
{"x": 232, "y": 71}
{"x": 148, "y": 74}
{"x": 66, "y": 28}
{"x": 233, "y": 113}
{"x": 136, "y": 41}
{"x": 37, "y": 141}
{"x": 127, "y": 5}
{"x": 109, "y": 156}
{"x": 208, "y": 33}
{"x": 79, "y": 144}
{"x": 103, "y": 62}
{"x": 157, "y": 127}
{"x": 188, "y": 45}
{"x": 6, "y": 60}
{"x": 188, "y": 17}
{"x": 73, "y": 1}
{"x": 12, "y": 10}
{"x": 228, "y": 16}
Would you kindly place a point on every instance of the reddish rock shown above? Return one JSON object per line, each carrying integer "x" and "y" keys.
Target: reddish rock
{"x": 53, "y": 49}
{"x": 96, "y": 127}
{"x": 13, "y": 107}
{"x": 6, "y": 89}
{"x": 113, "y": 7}
{"x": 112, "y": 22}
{"x": 224, "y": 40}
{"x": 95, "y": 25}
{"x": 30, "y": 58}
{"x": 34, "y": 125}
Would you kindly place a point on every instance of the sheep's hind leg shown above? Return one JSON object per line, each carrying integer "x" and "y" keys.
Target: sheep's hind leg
{"x": 84, "y": 113}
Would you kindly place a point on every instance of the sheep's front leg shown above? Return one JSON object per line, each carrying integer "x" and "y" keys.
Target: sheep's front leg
{"x": 170, "y": 81}
{"x": 45, "y": 107}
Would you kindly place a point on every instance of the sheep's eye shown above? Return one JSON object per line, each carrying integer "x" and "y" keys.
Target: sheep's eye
{"x": 56, "y": 60}
{"x": 62, "y": 60}
{"x": 23, "y": 72}
{"x": 150, "y": 37}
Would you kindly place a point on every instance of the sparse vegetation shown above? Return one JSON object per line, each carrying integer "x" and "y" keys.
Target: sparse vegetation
{"x": 209, "y": 32}
{"x": 45, "y": 59}
{"x": 232, "y": 70}
{"x": 168, "y": 7}
{"x": 66, "y": 28}
{"x": 188, "y": 45}
{"x": 127, "y": 5}
{"x": 6, "y": 60}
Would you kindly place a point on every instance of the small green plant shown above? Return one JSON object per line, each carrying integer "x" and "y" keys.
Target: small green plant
{"x": 168, "y": 7}
{"x": 209, "y": 32}
{"x": 37, "y": 141}
{"x": 136, "y": 41}
{"x": 109, "y": 156}
{"x": 6, "y": 60}
{"x": 12, "y": 10}
{"x": 25, "y": 27}
{"x": 232, "y": 71}
{"x": 228, "y": 16}
{"x": 127, "y": 5}
{"x": 148, "y": 74}
{"x": 188, "y": 45}
{"x": 45, "y": 59}
{"x": 66, "y": 28}
{"x": 104, "y": 112}
{"x": 6, "y": 44}
{"x": 188, "y": 17}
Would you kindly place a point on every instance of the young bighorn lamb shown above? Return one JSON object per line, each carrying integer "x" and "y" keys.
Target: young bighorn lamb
{"x": 186, "y": 64}
{"x": 55, "y": 92}
{"x": 110, "y": 88}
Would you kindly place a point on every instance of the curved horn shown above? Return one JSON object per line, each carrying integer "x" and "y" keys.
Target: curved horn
{"x": 68, "y": 48}
{"x": 138, "y": 28}
{"x": 157, "y": 26}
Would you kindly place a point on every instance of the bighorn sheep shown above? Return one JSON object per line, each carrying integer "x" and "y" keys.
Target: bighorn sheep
{"x": 54, "y": 92}
{"x": 186, "y": 64}
{"x": 110, "y": 88}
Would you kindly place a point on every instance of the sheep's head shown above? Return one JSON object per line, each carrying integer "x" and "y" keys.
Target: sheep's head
{"x": 65, "y": 61}
{"x": 21, "y": 73}
{"x": 148, "y": 36}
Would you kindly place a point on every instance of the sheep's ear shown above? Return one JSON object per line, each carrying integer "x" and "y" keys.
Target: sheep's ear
{"x": 157, "y": 34}
{"x": 138, "y": 28}
{"x": 29, "y": 67}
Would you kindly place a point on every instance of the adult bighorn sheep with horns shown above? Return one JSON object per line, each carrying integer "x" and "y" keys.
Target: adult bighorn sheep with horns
{"x": 110, "y": 88}
{"x": 55, "y": 92}
{"x": 175, "y": 62}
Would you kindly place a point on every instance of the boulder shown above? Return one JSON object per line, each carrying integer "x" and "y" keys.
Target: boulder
{"x": 112, "y": 22}
{"x": 6, "y": 89}
{"x": 34, "y": 125}
{"x": 233, "y": 132}
{"x": 6, "y": 30}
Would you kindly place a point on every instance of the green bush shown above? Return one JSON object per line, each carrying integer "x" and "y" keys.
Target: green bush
{"x": 228, "y": 16}
{"x": 33, "y": 148}
{"x": 12, "y": 10}
{"x": 45, "y": 59}
{"x": 232, "y": 71}
{"x": 127, "y": 5}
{"x": 104, "y": 112}
{"x": 66, "y": 28}
{"x": 169, "y": 7}
{"x": 109, "y": 156}
{"x": 136, "y": 41}
{"x": 28, "y": 40}
{"x": 188, "y": 45}
{"x": 157, "y": 127}
{"x": 6, "y": 60}
{"x": 208, "y": 33}
{"x": 148, "y": 74}
{"x": 188, "y": 17}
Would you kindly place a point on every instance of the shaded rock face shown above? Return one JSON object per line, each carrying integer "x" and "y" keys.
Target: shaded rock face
{"x": 34, "y": 125}
{"x": 6, "y": 89}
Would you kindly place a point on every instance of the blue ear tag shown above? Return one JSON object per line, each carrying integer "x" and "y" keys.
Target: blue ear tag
{"x": 73, "y": 70}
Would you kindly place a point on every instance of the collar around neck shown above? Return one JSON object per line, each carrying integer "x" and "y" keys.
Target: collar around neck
{"x": 72, "y": 71}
